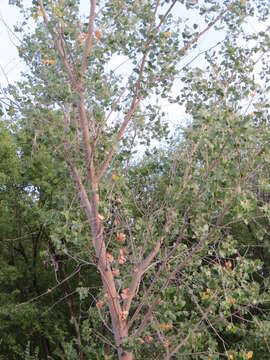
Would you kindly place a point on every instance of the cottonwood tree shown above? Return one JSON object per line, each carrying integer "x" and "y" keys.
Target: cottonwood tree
{"x": 162, "y": 233}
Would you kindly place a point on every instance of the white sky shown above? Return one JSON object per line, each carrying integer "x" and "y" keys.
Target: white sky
{"x": 9, "y": 60}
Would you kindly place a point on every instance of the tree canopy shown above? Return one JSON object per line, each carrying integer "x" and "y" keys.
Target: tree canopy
{"x": 125, "y": 235}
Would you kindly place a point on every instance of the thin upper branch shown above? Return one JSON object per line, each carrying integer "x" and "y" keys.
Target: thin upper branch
{"x": 200, "y": 34}
{"x": 100, "y": 129}
{"x": 119, "y": 136}
{"x": 136, "y": 99}
{"x": 161, "y": 269}
{"x": 86, "y": 141}
{"x": 186, "y": 261}
{"x": 83, "y": 194}
{"x": 59, "y": 45}
{"x": 138, "y": 273}
{"x": 89, "y": 38}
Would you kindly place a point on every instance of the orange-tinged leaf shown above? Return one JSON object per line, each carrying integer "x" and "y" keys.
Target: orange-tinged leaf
{"x": 166, "y": 343}
{"x": 100, "y": 217}
{"x": 123, "y": 251}
{"x": 45, "y": 60}
{"x": 110, "y": 257}
{"x": 99, "y": 304}
{"x": 125, "y": 293}
{"x": 40, "y": 12}
{"x": 81, "y": 38}
{"x": 123, "y": 315}
{"x": 116, "y": 272}
{"x": 121, "y": 237}
{"x": 148, "y": 339}
{"x": 232, "y": 301}
{"x": 122, "y": 257}
{"x": 122, "y": 260}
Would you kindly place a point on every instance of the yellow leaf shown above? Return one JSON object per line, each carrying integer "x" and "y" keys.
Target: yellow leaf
{"x": 165, "y": 326}
{"x": 115, "y": 177}
{"x": 45, "y": 60}
{"x": 51, "y": 61}
{"x": 98, "y": 34}
{"x": 35, "y": 16}
{"x": 250, "y": 355}
{"x": 40, "y": 12}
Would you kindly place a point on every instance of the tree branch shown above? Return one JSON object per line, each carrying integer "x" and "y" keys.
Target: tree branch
{"x": 138, "y": 273}
{"x": 182, "y": 265}
{"x": 89, "y": 38}
{"x": 58, "y": 43}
